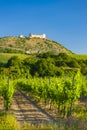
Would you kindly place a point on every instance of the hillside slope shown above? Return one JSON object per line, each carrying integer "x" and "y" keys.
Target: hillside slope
{"x": 30, "y": 45}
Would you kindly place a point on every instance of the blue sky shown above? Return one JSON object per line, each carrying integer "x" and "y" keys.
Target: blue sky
{"x": 64, "y": 21}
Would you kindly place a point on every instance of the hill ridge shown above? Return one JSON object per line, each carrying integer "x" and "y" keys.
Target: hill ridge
{"x": 31, "y": 45}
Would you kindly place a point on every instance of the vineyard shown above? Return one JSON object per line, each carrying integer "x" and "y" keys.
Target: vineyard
{"x": 61, "y": 93}
{"x": 43, "y": 85}
{"x": 59, "y": 96}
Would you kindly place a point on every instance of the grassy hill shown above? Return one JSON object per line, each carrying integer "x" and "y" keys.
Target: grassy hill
{"x": 30, "y": 45}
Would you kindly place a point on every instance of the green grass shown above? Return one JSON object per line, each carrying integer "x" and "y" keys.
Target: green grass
{"x": 9, "y": 122}
{"x": 80, "y": 112}
{"x": 5, "y": 56}
{"x": 79, "y": 56}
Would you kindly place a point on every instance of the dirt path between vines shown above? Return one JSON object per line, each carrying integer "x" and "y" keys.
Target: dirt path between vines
{"x": 26, "y": 110}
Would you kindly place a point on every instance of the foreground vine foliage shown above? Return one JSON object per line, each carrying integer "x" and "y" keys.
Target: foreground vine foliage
{"x": 61, "y": 92}
{"x": 7, "y": 89}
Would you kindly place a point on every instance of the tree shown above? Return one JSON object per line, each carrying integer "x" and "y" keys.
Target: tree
{"x": 45, "y": 67}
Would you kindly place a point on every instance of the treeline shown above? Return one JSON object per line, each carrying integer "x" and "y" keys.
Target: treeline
{"x": 42, "y": 65}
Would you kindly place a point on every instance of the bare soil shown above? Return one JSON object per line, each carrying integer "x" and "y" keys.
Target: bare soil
{"x": 1, "y": 104}
{"x": 26, "y": 110}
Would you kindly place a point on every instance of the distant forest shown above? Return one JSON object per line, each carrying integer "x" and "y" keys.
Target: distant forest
{"x": 42, "y": 65}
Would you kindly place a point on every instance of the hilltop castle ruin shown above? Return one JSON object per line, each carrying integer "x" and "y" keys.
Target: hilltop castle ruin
{"x": 37, "y": 36}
